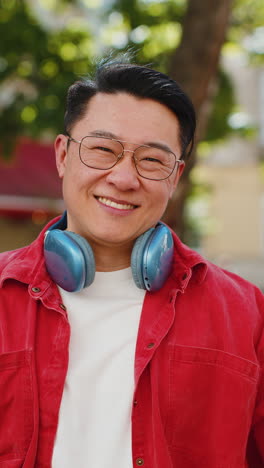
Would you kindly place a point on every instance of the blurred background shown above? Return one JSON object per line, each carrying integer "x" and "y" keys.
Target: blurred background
{"x": 213, "y": 48}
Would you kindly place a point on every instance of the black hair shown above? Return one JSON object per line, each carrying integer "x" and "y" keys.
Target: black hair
{"x": 114, "y": 76}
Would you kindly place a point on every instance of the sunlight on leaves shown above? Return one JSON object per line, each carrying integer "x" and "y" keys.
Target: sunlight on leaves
{"x": 68, "y": 51}
{"x": 29, "y": 114}
{"x": 51, "y": 4}
{"x": 164, "y": 37}
{"x": 8, "y": 4}
{"x": 140, "y": 34}
{"x": 93, "y": 3}
{"x": 49, "y": 69}
{"x": 204, "y": 149}
{"x": 115, "y": 36}
{"x": 24, "y": 69}
{"x": 115, "y": 18}
{"x": 86, "y": 48}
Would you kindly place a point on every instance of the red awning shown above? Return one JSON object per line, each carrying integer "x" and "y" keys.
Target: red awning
{"x": 29, "y": 181}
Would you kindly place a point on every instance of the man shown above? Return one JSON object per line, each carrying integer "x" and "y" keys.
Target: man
{"x": 120, "y": 346}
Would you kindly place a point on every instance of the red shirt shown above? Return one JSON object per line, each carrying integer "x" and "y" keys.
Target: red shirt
{"x": 199, "y": 385}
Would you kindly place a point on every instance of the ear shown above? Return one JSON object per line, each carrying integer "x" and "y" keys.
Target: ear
{"x": 60, "y": 147}
{"x": 176, "y": 177}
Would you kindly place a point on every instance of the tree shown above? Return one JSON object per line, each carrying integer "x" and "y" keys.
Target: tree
{"x": 36, "y": 67}
{"x": 195, "y": 64}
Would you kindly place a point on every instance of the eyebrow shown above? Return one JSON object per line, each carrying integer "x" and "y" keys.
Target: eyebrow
{"x": 154, "y": 144}
{"x": 104, "y": 133}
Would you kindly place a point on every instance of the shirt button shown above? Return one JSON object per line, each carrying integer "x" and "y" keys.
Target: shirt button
{"x": 62, "y": 306}
{"x": 150, "y": 345}
{"x": 135, "y": 402}
{"x": 185, "y": 276}
{"x": 35, "y": 290}
{"x": 140, "y": 461}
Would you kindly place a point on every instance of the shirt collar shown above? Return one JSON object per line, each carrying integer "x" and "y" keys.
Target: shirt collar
{"x": 188, "y": 263}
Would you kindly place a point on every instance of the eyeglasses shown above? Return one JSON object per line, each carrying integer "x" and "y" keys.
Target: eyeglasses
{"x": 103, "y": 153}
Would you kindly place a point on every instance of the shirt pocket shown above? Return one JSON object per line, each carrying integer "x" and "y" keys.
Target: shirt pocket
{"x": 16, "y": 407}
{"x": 211, "y": 402}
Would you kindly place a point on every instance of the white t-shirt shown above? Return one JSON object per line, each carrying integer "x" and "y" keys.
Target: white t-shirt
{"x": 95, "y": 415}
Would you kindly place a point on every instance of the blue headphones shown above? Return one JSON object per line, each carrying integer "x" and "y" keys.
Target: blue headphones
{"x": 70, "y": 260}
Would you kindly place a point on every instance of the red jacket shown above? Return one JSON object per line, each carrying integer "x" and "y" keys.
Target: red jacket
{"x": 199, "y": 384}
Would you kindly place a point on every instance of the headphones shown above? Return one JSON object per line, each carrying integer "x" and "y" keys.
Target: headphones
{"x": 70, "y": 260}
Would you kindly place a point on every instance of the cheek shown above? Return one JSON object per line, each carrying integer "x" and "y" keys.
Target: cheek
{"x": 79, "y": 183}
{"x": 74, "y": 177}
{"x": 72, "y": 185}
{"x": 159, "y": 199}
{"x": 159, "y": 193}
{"x": 166, "y": 191}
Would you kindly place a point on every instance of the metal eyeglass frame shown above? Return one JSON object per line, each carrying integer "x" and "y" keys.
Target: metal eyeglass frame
{"x": 178, "y": 162}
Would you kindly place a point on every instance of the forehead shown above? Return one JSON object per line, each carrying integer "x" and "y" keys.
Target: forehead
{"x": 129, "y": 118}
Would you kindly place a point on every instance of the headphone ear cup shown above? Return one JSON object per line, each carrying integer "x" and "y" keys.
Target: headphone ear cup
{"x": 69, "y": 259}
{"x": 137, "y": 258}
{"x": 152, "y": 257}
{"x": 88, "y": 256}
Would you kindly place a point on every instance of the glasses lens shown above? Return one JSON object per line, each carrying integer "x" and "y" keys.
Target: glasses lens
{"x": 99, "y": 153}
{"x": 154, "y": 163}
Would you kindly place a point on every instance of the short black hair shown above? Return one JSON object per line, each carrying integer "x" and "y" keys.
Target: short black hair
{"x": 114, "y": 76}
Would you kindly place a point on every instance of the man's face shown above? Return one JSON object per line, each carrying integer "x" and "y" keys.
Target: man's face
{"x": 137, "y": 203}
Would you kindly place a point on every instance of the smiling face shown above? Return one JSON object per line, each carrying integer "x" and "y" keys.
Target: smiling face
{"x": 111, "y": 208}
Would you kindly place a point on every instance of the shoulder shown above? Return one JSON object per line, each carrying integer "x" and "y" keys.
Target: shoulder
{"x": 207, "y": 278}
{"x": 9, "y": 256}
{"x": 231, "y": 297}
{"x": 230, "y": 283}
{"x": 16, "y": 264}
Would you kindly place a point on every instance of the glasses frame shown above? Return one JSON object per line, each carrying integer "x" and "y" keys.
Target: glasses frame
{"x": 177, "y": 162}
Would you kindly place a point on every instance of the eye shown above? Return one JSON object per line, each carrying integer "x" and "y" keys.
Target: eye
{"x": 103, "y": 148}
{"x": 153, "y": 160}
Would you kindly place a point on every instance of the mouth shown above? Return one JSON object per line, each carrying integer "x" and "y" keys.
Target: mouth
{"x": 120, "y": 205}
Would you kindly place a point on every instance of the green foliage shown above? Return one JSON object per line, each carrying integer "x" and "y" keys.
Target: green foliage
{"x": 36, "y": 67}
{"x": 247, "y": 28}
{"x": 247, "y": 15}
{"x": 223, "y": 104}
{"x": 38, "y": 64}
{"x": 153, "y": 28}
{"x": 149, "y": 12}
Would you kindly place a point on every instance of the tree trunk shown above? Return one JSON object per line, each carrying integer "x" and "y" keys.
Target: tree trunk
{"x": 194, "y": 65}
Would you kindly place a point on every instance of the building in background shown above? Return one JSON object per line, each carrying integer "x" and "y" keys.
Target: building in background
{"x": 30, "y": 193}
{"x": 233, "y": 171}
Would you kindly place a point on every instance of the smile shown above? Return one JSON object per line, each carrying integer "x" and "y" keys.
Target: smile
{"x": 119, "y": 206}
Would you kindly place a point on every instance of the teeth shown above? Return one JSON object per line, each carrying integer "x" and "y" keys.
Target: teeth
{"x": 119, "y": 206}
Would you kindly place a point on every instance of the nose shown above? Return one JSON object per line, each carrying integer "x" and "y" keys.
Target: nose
{"x": 124, "y": 174}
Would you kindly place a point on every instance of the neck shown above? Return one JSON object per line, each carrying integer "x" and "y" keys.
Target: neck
{"x": 111, "y": 258}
